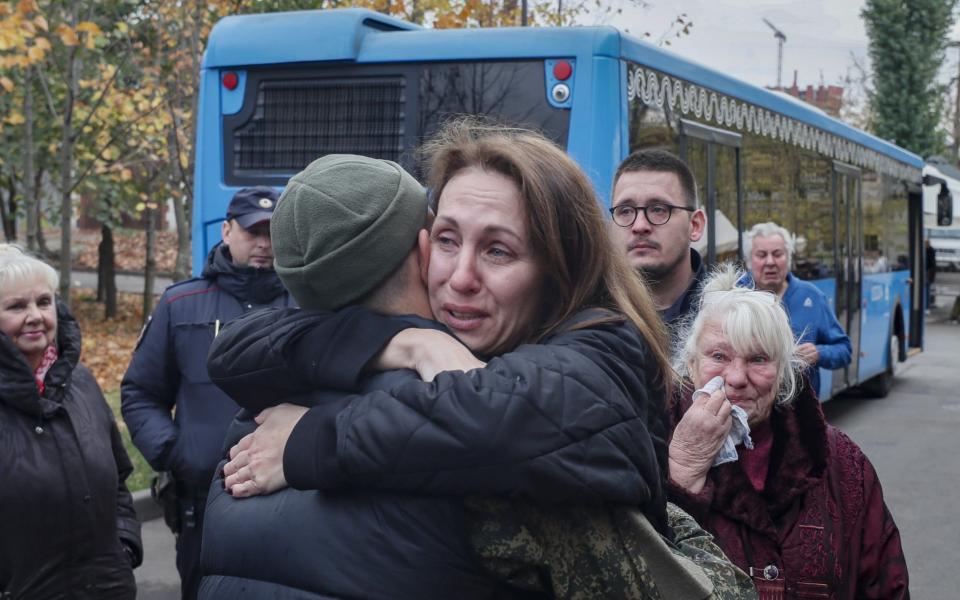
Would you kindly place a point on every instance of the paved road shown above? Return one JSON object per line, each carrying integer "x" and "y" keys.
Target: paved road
{"x": 911, "y": 437}
{"x": 132, "y": 284}
{"x": 157, "y": 577}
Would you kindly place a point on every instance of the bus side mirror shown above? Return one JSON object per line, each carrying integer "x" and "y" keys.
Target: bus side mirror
{"x": 944, "y": 207}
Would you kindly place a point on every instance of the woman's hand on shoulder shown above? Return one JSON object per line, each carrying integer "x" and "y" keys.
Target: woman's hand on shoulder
{"x": 426, "y": 351}
{"x": 697, "y": 438}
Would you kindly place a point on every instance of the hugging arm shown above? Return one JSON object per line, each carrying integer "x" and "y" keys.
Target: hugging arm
{"x": 265, "y": 356}
{"x": 567, "y": 421}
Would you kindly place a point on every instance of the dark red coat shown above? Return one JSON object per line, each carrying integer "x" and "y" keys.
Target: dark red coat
{"x": 821, "y": 520}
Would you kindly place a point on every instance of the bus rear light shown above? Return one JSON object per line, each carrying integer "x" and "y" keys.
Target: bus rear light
{"x": 562, "y": 70}
{"x": 560, "y": 93}
{"x": 230, "y": 80}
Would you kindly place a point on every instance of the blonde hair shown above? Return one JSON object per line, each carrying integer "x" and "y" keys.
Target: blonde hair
{"x": 579, "y": 265}
{"x": 753, "y": 321}
{"x": 16, "y": 267}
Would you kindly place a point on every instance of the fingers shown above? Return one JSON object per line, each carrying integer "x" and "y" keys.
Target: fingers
{"x": 245, "y": 489}
{"x": 241, "y": 460}
{"x": 725, "y": 409}
{"x": 263, "y": 416}
{"x": 243, "y": 444}
{"x": 715, "y": 402}
{"x": 242, "y": 475}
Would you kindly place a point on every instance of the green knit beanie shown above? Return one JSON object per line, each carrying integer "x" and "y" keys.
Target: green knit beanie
{"x": 342, "y": 225}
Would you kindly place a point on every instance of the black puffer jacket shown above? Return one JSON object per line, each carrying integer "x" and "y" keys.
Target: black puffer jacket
{"x": 577, "y": 419}
{"x": 350, "y": 544}
{"x": 65, "y": 512}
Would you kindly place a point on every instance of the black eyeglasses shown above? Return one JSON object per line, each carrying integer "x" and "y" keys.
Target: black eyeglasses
{"x": 656, "y": 213}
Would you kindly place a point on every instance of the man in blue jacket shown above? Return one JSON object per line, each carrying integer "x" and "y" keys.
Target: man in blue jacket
{"x": 177, "y": 417}
{"x": 823, "y": 343}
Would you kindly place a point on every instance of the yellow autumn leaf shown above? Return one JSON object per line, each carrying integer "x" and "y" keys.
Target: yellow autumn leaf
{"x": 15, "y": 118}
{"x": 126, "y": 174}
{"x": 140, "y": 206}
{"x": 42, "y": 42}
{"x": 41, "y": 22}
{"x": 122, "y": 27}
{"x": 4, "y": 9}
{"x": 27, "y": 6}
{"x": 35, "y": 53}
{"x": 6, "y": 83}
{"x": 67, "y": 36}
{"x": 89, "y": 27}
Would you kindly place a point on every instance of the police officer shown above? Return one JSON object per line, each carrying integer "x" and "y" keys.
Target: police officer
{"x": 176, "y": 416}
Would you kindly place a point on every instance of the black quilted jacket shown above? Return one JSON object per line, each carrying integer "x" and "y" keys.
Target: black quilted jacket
{"x": 65, "y": 512}
{"x": 577, "y": 419}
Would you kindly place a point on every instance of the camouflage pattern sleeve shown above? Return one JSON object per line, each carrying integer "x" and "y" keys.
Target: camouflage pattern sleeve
{"x": 598, "y": 552}
{"x": 690, "y": 540}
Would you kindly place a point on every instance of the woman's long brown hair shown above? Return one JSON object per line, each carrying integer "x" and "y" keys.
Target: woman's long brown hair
{"x": 568, "y": 233}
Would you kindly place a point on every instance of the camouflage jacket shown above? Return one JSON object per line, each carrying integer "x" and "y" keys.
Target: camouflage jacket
{"x": 601, "y": 552}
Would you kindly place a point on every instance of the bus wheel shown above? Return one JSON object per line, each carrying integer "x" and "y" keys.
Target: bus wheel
{"x": 880, "y": 385}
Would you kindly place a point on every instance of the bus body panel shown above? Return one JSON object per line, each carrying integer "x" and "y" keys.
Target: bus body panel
{"x": 884, "y": 294}
{"x": 292, "y": 37}
{"x": 594, "y": 140}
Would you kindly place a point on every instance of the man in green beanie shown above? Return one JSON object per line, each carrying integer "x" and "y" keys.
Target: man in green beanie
{"x": 343, "y": 225}
{"x": 349, "y": 231}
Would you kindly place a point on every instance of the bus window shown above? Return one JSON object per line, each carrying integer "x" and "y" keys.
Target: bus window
{"x": 290, "y": 117}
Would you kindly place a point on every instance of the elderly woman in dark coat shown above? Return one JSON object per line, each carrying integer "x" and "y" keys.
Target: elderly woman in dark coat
{"x": 803, "y": 511}
{"x": 69, "y": 529}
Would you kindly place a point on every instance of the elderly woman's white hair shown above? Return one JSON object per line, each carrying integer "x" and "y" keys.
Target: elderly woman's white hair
{"x": 753, "y": 322}
{"x": 16, "y": 267}
{"x": 766, "y": 230}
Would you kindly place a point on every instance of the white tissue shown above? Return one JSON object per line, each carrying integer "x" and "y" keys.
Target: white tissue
{"x": 739, "y": 432}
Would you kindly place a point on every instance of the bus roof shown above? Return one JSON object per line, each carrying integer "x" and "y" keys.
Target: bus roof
{"x": 364, "y": 36}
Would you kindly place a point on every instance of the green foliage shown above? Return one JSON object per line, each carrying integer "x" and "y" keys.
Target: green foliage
{"x": 907, "y": 42}
{"x": 142, "y": 472}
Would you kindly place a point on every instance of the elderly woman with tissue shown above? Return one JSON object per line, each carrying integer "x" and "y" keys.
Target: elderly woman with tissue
{"x": 792, "y": 501}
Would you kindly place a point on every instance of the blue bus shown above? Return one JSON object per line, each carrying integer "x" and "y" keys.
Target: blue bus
{"x": 279, "y": 90}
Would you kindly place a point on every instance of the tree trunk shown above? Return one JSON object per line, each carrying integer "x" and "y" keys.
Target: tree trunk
{"x": 150, "y": 272}
{"x": 66, "y": 171}
{"x": 8, "y": 211}
{"x": 30, "y": 201}
{"x": 183, "y": 209}
{"x": 107, "y": 270}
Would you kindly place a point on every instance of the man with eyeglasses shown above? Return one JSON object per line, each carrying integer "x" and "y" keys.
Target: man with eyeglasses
{"x": 656, "y": 218}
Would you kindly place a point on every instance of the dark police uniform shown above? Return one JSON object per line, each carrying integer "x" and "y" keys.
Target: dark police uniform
{"x": 176, "y": 416}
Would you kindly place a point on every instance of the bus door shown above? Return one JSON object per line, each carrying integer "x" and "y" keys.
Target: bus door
{"x": 714, "y": 157}
{"x": 847, "y": 243}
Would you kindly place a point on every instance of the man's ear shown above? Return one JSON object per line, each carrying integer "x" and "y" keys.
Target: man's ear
{"x": 698, "y": 224}
{"x": 225, "y": 229}
{"x": 423, "y": 245}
